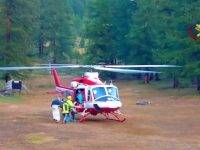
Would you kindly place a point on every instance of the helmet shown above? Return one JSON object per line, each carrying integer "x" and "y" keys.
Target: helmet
{"x": 69, "y": 97}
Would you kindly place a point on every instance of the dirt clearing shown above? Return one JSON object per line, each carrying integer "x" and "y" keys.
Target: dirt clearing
{"x": 167, "y": 123}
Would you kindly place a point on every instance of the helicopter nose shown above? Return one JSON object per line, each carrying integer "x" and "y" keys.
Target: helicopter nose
{"x": 108, "y": 104}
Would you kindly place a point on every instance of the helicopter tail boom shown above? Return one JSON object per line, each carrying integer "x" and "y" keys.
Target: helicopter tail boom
{"x": 56, "y": 77}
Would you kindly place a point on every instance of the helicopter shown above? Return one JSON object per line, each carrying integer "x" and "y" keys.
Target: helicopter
{"x": 98, "y": 97}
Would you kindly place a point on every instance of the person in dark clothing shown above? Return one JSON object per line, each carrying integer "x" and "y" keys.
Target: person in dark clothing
{"x": 55, "y": 106}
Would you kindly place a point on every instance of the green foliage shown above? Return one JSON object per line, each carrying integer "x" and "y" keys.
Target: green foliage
{"x": 10, "y": 99}
{"x": 1, "y": 85}
{"x": 143, "y": 32}
{"x": 159, "y": 35}
{"x": 111, "y": 32}
{"x": 56, "y": 28}
{"x": 106, "y": 25}
{"x": 17, "y": 19}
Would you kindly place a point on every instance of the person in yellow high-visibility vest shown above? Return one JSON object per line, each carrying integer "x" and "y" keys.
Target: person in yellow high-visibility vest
{"x": 67, "y": 108}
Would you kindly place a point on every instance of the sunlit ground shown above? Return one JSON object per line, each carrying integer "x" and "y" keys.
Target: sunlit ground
{"x": 171, "y": 121}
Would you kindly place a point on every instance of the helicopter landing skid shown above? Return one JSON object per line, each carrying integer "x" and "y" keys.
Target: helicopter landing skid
{"x": 84, "y": 115}
{"x": 115, "y": 115}
{"x": 110, "y": 116}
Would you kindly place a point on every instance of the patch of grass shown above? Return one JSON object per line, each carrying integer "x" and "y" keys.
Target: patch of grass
{"x": 45, "y": 86}
{"x": 10, "y": 99}
{"x": 38, "y": 138}
{"x": 166, "y": 88}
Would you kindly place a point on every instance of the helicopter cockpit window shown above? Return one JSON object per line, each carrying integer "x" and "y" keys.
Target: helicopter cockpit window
{"x": 98, "y": 92}
{"x": 112, "y": 91}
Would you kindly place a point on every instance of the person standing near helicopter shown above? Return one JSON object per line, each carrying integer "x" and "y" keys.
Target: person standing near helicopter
{"x": 55, "y": 106}
{"x": 79, "y": 97}
{"x": 8, "y": 84}
{"x": 67, "y": 109}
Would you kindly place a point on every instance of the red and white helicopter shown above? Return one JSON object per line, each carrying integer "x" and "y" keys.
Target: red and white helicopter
{"x": 98, "y": 97}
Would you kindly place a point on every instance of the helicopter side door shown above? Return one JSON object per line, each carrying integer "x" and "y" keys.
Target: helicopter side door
{"x": 80, "y": 96}
{"x": 89, "y": 103}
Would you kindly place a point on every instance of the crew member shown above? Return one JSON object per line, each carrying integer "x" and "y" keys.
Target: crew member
{"x": 55, "y": 107}
{"x": 67, "y": 109}
{"x": 79, "y": 97}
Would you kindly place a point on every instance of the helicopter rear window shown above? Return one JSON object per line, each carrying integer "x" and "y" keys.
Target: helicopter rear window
{"x": 98, "y": 92}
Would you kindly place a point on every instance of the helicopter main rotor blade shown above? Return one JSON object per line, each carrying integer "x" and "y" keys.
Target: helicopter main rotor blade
{"x": 58, "y": 64}
{"x": 111, "y": 68}
{"x": 36, "y": 67}
{"x": 122, "y": 70}
{"x": 140, "y": 66}
{"x": 116, "y": 66}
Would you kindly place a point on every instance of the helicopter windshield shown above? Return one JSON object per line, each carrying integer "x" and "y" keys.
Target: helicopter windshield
{"x": 105, "y": 93}
{"x": 112, "y": 91}
{"x": 98, "y": 92}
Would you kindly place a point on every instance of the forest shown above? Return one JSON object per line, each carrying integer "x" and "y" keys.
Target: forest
{"x": 103, "y": 31}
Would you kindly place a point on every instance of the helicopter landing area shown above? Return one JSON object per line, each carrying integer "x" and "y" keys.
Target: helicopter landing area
{"x": 169, "y": 122}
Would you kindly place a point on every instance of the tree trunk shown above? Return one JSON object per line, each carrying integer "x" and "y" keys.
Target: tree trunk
{"x": 54, "y": 51}
{"x": 151, "y": 77}
{"x": 9, "y": 22}
{"x": 176, "y": 83}
{"x": 157, "y": 78}
{"x": 113, "y": 62}
{"x": 7, "y": 77}
{"x": 41, "y": 47}
{"x": 8, "y": 34}
{"x": 146, "y": 78}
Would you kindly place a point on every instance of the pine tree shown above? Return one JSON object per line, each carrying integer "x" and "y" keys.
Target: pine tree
{"x": 107, "y": 24}
{"x": 17, "y": 25}
{"x": 56, "y": 28}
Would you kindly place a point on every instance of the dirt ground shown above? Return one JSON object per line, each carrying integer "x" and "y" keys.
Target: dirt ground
{"x": 169, "y": 122}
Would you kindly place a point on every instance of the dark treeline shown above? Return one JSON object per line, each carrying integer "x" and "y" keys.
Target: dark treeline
{"x": 96, "y": 31}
